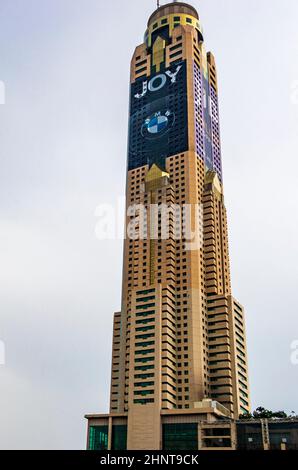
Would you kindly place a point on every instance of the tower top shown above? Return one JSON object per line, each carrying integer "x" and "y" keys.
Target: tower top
{"x": 172, "y": 8}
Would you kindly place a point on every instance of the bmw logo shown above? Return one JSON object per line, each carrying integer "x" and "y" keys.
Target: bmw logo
{"x": 157, "y": 124}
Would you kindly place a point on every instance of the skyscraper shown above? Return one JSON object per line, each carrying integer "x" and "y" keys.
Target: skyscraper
{"x": 179, "y": 349}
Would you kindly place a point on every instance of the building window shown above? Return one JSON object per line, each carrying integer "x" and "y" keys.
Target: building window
{"x": 119, "y": 437}
{"x": 144, "y": 401}
{"x": 98, "y": 438}
{"x": 182, "y": 436}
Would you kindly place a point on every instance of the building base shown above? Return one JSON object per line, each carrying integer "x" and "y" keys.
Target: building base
{"x": 206, "y": 426}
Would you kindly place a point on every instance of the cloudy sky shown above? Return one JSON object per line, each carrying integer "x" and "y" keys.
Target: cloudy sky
{"x": 63, "y": 131}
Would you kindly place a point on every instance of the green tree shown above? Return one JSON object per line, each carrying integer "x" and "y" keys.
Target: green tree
{"x": 263, "y": 413}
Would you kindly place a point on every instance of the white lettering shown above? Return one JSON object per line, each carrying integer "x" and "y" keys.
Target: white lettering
{"x": 173, "y": 76}
{"x": 138, "y": 95}
{"x": 111, "y": 460}
{"x": 152, "y": 87}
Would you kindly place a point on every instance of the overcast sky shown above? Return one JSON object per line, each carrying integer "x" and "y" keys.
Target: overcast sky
{"x": 63, "y": 138}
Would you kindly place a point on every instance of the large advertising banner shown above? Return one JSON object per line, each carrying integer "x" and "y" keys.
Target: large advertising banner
{"x": 158, "y": 117}
{"x": 207, "y": 124}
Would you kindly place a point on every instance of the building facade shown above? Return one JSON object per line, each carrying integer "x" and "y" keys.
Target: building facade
{"x": 197, "y": 432}
{"x": 267, "y": 434}
{"x": 179, "y": 343}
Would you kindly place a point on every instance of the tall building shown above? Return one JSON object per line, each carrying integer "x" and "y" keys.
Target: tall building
{"x": 179, "y": 350}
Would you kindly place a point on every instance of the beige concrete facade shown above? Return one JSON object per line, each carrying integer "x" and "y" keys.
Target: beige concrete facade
{"x": 145, "y": 431}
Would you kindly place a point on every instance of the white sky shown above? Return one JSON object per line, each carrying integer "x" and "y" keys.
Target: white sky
{"x": 63, "y": 138}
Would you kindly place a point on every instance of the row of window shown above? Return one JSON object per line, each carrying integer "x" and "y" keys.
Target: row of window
{"x": 177, "y": 20}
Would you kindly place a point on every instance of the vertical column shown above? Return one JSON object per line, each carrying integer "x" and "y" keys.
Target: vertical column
{"x": 145, "y": 367}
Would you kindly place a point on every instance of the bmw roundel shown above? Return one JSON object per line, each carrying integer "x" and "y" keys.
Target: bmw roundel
{"x": 158, "y": 124}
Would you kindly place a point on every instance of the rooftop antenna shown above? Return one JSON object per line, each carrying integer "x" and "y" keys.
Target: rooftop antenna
{"x": 158, "y": 3}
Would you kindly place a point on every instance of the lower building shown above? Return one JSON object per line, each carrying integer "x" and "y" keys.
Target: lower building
{"x": 206, "y": 427}
{"x": 264, "y": 434}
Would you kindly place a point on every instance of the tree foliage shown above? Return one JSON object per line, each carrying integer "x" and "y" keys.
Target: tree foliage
{"x": 263, "y": 413}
